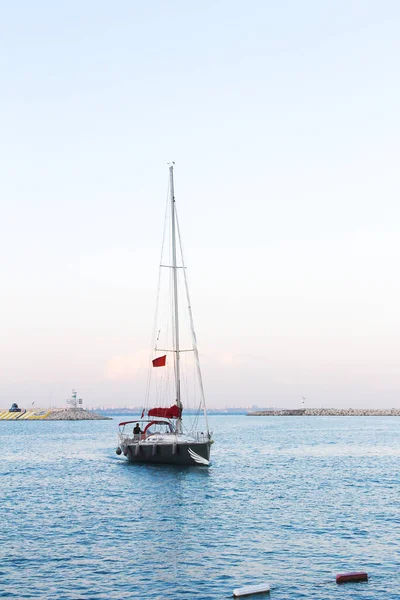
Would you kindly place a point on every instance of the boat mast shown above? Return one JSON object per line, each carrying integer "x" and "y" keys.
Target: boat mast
{"x": 175, "y": 280}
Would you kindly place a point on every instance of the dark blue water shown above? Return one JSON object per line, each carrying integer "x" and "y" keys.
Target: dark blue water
{"x": 288, "y": 500}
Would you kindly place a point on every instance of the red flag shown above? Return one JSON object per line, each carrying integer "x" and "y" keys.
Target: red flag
{"x": 160, "y": 361}
{"x": 142, "y": 415}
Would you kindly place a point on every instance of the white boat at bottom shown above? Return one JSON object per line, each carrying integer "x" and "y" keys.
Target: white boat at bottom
{"x": 163, "y": 437}
{"x": 251, "y": 590}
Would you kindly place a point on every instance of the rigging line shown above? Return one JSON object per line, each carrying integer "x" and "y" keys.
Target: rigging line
{"x": 197, "y": 413}
{"x": 149, "y": 370}
{"x": 170, "y": 267}
{"x": 196, "y": 416}
{"x": 194, "y": 340}
{"x": 169, "y": 350}
{"x": 184, "y": 380}
{"x": 188, "y": 388}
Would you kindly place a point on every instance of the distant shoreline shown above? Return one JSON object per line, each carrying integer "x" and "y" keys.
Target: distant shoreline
{"x": 327, "y": 412}
{"x": 121, "y": 412}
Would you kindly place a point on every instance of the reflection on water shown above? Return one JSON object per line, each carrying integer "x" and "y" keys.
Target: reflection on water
{"x": 290, "y": 501}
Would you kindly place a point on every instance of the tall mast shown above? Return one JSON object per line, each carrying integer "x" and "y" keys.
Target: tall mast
{"x": 175, "y": 280}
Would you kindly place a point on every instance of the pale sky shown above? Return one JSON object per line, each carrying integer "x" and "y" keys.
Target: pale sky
{"x": 283, "y": 120}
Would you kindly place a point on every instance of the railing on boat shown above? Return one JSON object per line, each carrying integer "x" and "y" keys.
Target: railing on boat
{"x": 128, "y": 438}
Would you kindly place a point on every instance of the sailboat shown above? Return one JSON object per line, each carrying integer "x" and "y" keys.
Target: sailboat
{"x": 169, "y": 435}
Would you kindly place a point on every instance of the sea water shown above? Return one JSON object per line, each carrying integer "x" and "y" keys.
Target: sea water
{"x": 291, "y": 501}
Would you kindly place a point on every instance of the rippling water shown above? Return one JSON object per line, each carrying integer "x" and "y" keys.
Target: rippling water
{"x": 288, "y": 500}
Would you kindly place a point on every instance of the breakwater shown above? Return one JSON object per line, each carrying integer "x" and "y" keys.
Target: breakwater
{"x": 55, "y": 414}
{"x": 327, "y": 412}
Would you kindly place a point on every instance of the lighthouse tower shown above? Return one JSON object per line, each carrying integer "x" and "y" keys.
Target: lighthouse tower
{"x": 74, "y": 402}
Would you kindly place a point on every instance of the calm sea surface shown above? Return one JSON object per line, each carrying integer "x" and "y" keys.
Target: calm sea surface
{"x": 288, "y": 500}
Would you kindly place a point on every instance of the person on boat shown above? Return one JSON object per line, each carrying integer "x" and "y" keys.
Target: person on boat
{"x": 136, "y": 430}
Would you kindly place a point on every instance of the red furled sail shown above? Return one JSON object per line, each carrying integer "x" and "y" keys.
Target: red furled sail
{"x": 160, "y": 361}
{"x": 168, "y": 413}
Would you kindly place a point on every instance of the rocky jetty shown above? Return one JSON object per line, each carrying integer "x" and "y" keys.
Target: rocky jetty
{"x": 51, "y": 414}
{"x": 328, "y": 412}
{"x": 74, "y": 414}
